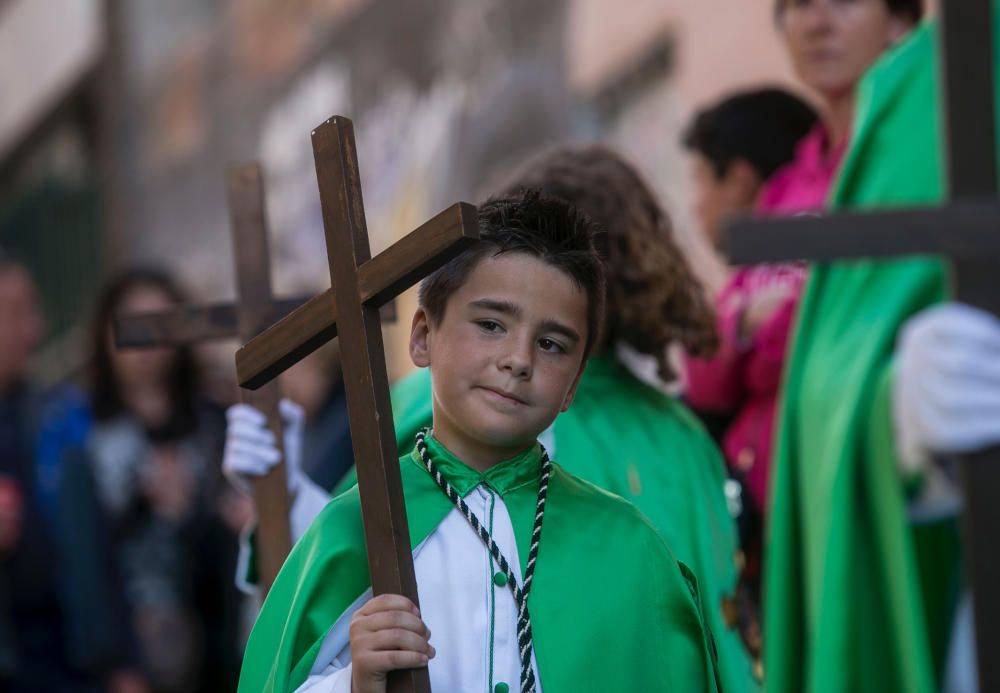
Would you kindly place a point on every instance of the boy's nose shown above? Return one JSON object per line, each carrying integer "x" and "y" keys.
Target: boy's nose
{"x": 517, "y": 362}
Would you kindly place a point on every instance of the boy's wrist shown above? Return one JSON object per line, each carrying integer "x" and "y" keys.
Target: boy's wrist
{"x": 366, "y": 686}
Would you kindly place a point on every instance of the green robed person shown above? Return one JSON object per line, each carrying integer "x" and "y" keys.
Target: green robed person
{"x": 862, "y": 569}
{"x": 576, "y": 575}
{"x": 622, "y": 433}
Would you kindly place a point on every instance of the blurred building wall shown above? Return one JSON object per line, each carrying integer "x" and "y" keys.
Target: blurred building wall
{"x": 447, "y": 96}
{"x": 35, "y": 74}
{"x": 716, "y": 47}
{"x": 444, "y": 94}
{"x": 50, "y": 55}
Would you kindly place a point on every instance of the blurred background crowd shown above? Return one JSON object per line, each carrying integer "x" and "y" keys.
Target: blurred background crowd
{"x": 118, "y": 531}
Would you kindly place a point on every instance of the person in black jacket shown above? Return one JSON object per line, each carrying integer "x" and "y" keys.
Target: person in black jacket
{"x": 155, "y": 447}
{"x": 63, "y": 622}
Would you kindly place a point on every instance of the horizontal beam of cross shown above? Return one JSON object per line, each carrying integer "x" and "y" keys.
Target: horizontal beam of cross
{"x": 963, "y": 229}
{"x": 304, "y": 330}
{"x": 308, "y": 327}
{"x": 188, "y": 324}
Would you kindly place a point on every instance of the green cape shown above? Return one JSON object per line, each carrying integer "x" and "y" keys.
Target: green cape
{"x": 857, "y": 599}
{"x": 611, "y": 609}
{"x": 636, "y": 442}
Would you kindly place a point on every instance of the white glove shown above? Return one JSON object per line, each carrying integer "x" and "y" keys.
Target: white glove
{"x": 946, "y": 395}
{"x": 251, "y": 451}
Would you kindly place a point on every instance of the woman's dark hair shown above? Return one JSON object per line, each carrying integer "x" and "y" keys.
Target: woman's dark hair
{"x": 762, "y": 127}
{"x": 653, "y": 296}
{"x": 541, "y": 226}
{"x": 183, "y": 379}
{"x": 911, "y": 9}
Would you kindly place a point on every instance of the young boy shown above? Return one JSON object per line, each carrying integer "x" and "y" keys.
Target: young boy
{"x": 505, "y": 329}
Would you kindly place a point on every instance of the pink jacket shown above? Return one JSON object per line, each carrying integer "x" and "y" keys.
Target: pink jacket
{"x": 744, "y": 376}
{"x": 803, "y": 184}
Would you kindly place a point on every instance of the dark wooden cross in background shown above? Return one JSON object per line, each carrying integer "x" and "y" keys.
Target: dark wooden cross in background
{"x": 253, "y": 310}
{"x": 361, "y": 284}
{"x": 966, "y": 230}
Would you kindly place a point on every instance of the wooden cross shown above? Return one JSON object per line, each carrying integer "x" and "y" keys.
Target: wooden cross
{"x": 361, "y": 284}
{"x": 252, "y": 311}
{"x": 965, "y": 230}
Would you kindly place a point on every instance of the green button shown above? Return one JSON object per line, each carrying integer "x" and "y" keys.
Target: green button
{"x": 501, "y": 687}
{"x": 500, "y": 579}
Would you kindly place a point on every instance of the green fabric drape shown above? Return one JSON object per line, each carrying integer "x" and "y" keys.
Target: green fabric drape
{"x": 853, "y": 601}
{"x": 610, "y": 607}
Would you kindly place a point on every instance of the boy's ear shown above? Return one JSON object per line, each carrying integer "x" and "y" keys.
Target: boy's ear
{"x": 420, "y": 339}
{"x": 568, "y": 400}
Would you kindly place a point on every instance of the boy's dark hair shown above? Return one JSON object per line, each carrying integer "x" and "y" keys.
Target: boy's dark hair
{"x": 911, "y": 9}
{"x": 761, "y": 127}
{"x": 653, "y": 296}
{"x": 536, "y": 225}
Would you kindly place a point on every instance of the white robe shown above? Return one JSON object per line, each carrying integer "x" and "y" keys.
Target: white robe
{"x": 473, "y": 621}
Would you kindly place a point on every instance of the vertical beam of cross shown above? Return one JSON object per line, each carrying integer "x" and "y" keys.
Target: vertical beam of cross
{"x": 971, "y": 157}
{"x": 248, "y": 221}
{"x": 367, "y": 387}
{"x": 361, "y": 284}
{"x": 968, "y": 87}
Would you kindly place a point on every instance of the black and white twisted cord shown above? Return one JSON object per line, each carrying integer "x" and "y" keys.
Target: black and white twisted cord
{"x": 524, "y": 639}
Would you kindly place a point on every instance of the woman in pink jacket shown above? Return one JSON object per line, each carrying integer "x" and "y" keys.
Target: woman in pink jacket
{"x": 738, "y": 144}
{"x": 831, "y": 43}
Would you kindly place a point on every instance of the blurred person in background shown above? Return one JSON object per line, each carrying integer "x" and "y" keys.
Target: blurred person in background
{"x": 831, "y": 44}
{"x": 889, "y": 378}
{"x": 737, "y": 144}
{"x": 63, "y": 622}
{"x": 155, "y": 450}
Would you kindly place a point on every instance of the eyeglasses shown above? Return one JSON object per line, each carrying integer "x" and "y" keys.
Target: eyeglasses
{"x": 785, "y": 5}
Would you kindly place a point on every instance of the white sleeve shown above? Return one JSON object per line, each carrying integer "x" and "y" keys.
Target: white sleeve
{"x": 330, "y": 680}
{"x": 335, "y": 675}
{"x": 309, "y": 501}
{"x": 243, "y": 558}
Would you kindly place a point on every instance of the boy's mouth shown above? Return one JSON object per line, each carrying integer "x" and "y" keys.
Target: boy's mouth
{"x": 504, "y": 395}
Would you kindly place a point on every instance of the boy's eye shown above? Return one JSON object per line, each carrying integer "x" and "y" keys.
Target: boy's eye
{"x": 551, "y": 346}
{"x": 491, "y": 326}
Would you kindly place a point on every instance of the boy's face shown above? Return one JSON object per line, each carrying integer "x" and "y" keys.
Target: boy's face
{"x": 506, "y": 357}
{"x": 719, "y": 198}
